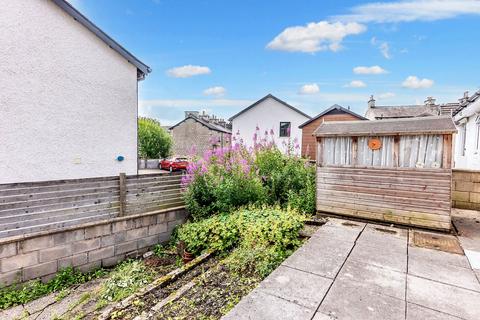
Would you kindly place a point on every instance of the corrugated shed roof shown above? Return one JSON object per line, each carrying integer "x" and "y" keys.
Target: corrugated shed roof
{"x": 422, "y": 125}
{"x": 142, "y": 68}
{"x": 332, "y": 108}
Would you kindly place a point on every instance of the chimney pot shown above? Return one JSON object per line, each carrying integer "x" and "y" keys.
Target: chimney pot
{"x": 371, "y": 102}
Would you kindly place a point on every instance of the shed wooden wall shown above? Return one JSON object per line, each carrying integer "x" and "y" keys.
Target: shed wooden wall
{"x": 419, "y": 197}
{"x": 309, "y": 141}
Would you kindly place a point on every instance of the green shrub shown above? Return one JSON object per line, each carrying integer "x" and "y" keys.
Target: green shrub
{"x": 263, "y": 237}
{"x": 221, "y": 191}
{"x": 289, "y": 181}
{"x": 219, "y": 233}
{"x": 153, "y": 140}
{"x": 20, "y": 294}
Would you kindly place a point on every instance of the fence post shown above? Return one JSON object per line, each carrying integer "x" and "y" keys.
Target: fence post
{"x": 123, "y": 193}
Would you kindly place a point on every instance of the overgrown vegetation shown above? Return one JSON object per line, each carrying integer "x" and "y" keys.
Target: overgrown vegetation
{"x": 127, "y": 278}
{"x": 15, "y": 294}
{"x": 230, "y": 177}
{"x": 153, "y": 141}
{"x": 261, "y": 238}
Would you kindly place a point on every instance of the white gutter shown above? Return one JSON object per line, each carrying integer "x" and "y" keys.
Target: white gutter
{"x": 470, "y": 110}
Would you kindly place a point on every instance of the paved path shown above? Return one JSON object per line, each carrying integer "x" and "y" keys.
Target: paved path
{"x": 352, "y": 270}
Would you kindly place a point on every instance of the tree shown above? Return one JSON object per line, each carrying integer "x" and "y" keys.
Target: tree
{"x": 153, "y": 141}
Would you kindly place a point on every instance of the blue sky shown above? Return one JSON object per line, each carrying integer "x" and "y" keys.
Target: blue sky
{"x": 222, "y": 55}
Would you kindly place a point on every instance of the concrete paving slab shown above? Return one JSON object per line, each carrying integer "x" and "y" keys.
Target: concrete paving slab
{"x": 384, "y": 236}
{"x": 322, "y": 257}
{"x": 438, "y": 257}
{"x": 40, "y": 304}
{"x": 344, "y": 223}
{"x": 305, "y": 289}
{"x": 442, "y": 272}
{"x": 259, "y": 305}
{"x": 347, "y": 301}
{"x": 445, "y": 298}
{"x": 474, "y": 258}
{"x": 345, "y": 234}
{"x": 380, "y": 280}
{"x": 386, "y": 257}
{"x": 14, "y": 313}
{"x": 416, "y": 312}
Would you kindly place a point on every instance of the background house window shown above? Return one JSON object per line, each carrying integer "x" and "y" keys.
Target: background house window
{"x": 463, "y": 138}
{"x": 477, "y": 122}
{"x": 284, "y": 129}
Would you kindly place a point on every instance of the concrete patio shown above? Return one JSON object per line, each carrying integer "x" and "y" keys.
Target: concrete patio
{"x": 353, "y": 270}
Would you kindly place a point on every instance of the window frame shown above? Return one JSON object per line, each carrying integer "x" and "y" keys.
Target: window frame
{"x": 477, "y": 123}
{"x": 288, "y": 131}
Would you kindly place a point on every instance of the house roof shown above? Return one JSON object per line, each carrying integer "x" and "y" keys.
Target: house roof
{"x": 265, "y": 98}
{"x": 410, "y": 111}
{"x": 142, "y": 68}
{"x": 423, "y": 125}
{"x": 465, "y": 102}
{"x": 333, "y": 108}
{"x": 211, "y": 126}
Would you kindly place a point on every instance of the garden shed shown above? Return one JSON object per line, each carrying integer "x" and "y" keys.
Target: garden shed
{"x": 396, "y": 171}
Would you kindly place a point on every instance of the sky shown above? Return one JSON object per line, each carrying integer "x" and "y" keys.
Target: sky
{"x": 221, "y": 56}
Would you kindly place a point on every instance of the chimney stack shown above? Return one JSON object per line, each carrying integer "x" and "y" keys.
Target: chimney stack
{"x": 371, "y": 102}
{"x": 430, "y": 101}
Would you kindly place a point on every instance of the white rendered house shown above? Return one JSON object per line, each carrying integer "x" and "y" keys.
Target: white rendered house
{"x": 272, "y": 115}
{"x": 467, "y": 142}
{"x": 68, "y": 102}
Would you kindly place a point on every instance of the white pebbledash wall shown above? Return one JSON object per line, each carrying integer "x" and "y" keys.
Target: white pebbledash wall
{"x": 68, "y": 102}
{"x": 267, "y": 115}
{"x": 468, "y": 130}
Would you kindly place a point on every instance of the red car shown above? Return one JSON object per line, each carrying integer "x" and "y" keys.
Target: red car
{"x": 174, "y": 164}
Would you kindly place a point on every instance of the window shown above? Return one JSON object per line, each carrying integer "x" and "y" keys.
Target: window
{"x": 284, "y": 129}
{"x": 477, "y": 122}
{"x": 463, "y": 138}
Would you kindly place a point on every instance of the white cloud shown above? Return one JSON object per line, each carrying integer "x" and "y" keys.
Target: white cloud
{"x": 215, "y": 91}
{"x": 385, "y": 50}
{"x": 384, "y": 47}
{"x": 311, "y": 88}
{"x": 356, "y": 84}
{"x": 413, "y": 82}
{"x": 313, "y": 37}
{"x": 188, "y": 71}
{"x": 369, "y": 70}
{"x": 386, "y": 95}
{"x": 411, "y": 10}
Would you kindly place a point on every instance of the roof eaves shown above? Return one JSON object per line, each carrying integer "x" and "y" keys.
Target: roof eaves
{"x": 326, "y": 111}
{"x": 206, "y": 124}
{"x": 142, "y": 68}
{"x": 265, "y": 98}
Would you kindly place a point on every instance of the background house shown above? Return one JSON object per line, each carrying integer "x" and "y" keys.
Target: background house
{"x": 467, "y": 143}
{"x": 334, "y": 113}
{"x": 270, "y": 113}
{"x": 68, "y": 98}
{"x": 199, "y": 132}
{"x": 429, "y": 108}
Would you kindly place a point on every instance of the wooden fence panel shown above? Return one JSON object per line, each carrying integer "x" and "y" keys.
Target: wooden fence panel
{"x": 39, "y": 206}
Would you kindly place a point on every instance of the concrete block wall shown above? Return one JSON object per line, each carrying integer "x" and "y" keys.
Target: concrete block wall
{"x": 466, "y": 189}
{"x": 86, "y": 247}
